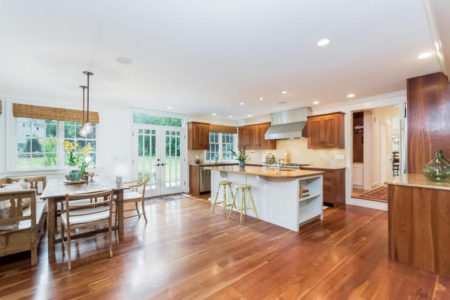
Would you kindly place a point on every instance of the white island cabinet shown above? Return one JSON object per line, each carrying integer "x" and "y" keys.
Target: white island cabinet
{"x": 277, "y": 193}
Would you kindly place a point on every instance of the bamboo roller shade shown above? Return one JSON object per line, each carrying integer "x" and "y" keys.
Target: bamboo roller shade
{"x": 222, "y": 128}
{"x": 51, "y": 113}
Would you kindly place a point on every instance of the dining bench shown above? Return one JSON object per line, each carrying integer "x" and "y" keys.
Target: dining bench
{"x": 22, "y": 216}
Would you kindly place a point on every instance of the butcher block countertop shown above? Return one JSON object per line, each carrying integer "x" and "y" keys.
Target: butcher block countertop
{"x": 267, "y": 172}
{"x": 418, "y": 180}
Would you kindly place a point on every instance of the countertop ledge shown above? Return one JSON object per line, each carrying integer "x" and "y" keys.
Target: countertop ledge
{"x": 267, "y": 172}
{"x": 418, "y": 180}
{"x": 324, "y": 168}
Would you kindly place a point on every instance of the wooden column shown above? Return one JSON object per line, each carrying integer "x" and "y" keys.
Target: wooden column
{"x": 428, "y": 119}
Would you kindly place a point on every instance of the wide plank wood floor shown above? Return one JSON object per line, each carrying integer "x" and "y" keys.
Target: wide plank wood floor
{"x": 185, "y": 253}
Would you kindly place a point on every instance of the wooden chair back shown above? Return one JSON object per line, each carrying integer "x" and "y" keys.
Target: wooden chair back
{"x": 36, "y": 183}
{"x": 72, "y": 208}
{"x": 137, "y": 184}
{"x": 16, "y": 199}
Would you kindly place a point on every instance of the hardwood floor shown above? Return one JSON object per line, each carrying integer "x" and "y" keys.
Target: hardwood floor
{"x": 185, "y": 253}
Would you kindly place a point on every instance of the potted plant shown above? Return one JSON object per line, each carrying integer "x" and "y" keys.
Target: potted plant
{"x": 77, "y": 162}
{"x": 241, "y": 156}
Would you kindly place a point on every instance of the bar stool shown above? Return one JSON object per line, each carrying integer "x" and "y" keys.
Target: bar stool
{"x": 223, "y": 184}
{"x": 243, "y": 188}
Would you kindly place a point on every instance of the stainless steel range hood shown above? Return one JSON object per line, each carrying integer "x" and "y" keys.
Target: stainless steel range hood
{"x": 288, "y": 124}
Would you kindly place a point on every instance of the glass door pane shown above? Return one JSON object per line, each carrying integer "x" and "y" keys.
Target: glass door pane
{"x": 147, "y": 157}
{"x": 172, "y": 169}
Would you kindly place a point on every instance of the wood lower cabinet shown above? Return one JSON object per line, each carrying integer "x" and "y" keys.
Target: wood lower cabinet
{"x": 198, "y": 136}
{"x": 252, "y": 136}
{"x": 333, "y": 185}
{"x": 419, "y": 225}
{"x": 326, "y": 131}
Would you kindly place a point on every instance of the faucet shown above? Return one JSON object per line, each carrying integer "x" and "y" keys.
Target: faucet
{"x": 280, "y": 161}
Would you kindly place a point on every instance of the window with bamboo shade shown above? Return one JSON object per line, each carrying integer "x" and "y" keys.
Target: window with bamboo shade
{"x": 51, "y": 113}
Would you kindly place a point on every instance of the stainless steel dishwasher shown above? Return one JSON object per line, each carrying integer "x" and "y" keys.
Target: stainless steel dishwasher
{"x": 205, "y": 179}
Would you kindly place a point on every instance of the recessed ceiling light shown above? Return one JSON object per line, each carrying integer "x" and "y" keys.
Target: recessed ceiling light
{"x": 242, "y": 104}
{"x": 249, "y": 115}
{"x": 261, "y": 99}
{"x": 316, "y": 102}
{"x": 351, "y": 95}
{"x": 169, "y": 107}
{"x": 282, "y": 102}
{"x": 425, "y": 55}
{"x": 230, "y": 116}
{"x": 323, "y": 42}
{"x": 124, "y": 60}
{"x": 284, "y": 92}
{"x": 214, "y": 114}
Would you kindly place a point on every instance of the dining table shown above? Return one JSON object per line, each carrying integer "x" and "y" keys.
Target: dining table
{"x": 56, "y": 191}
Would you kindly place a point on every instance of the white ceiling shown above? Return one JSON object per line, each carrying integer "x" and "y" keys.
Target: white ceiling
{"x": 204, "y": 56}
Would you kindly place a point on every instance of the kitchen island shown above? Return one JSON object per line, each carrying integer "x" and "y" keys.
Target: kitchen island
{"x": 278, "y": 194}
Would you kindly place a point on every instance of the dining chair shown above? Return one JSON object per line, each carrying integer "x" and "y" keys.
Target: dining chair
{"x": 136, "y": 195}
{"x": 76, "y": 215}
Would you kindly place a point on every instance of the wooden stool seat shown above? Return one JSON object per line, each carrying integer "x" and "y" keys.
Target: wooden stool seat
{"x": 225, "y": 185}
{"x": 224, "y": 182}
{"x": 244, "y": 188}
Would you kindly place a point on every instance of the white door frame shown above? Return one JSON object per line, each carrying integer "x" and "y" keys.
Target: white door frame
{"x": 388, "y": 99}
{"x": 160, "y": 187}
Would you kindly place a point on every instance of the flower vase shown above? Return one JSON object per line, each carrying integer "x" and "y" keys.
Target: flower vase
{"x": 437, "y": 169}
{"x": 242, "y": 165}
{"x": 74, "y": 174}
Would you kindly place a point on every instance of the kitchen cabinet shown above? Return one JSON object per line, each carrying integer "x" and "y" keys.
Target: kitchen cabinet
{"x": 198, "y": 136}
{"x": 252, "y": 136}
{"x": 200, "y": 177}
{"x": 326, "y": 131}
{"x": 333, "y": 184}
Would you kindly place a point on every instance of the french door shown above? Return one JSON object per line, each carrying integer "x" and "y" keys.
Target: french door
{"x": 159, "y": 153}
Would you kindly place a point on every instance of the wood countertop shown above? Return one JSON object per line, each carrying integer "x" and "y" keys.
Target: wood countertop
{"x": 418, "y": 180}
{"x": 267, "y": 172}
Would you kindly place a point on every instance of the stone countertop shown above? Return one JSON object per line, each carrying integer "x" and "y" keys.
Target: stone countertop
{"x": 215, "y": 164}
{"x": 267, "y": 172}
{"x": 324, "y": 168}
{"x": 418, "y": 180}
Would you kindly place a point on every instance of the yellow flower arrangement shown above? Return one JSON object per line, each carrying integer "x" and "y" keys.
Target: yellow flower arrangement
{"x": 82, "y": 159}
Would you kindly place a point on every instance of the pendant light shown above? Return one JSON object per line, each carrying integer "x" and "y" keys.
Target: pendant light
{"x": 82, "y": 130}
{"x": 87, "y": 126}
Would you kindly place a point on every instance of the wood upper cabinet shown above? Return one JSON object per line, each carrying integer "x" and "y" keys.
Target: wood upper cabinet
{"x": 198, "y": 136}
{"x": 326, "y": 131}
{"x": 253, "y": 137}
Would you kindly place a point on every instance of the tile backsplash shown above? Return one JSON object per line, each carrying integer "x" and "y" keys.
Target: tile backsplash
{"x": 297, "y": 150}
{"x": 299, "y": 153}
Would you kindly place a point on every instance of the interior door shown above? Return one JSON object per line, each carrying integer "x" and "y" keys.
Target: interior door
{"x": 159, "y": 154}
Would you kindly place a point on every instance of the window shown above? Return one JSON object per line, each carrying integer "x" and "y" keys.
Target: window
{"x": 39, "y": 142}
{"x": 71, "y": 134}
{"x": 228, "y": 144}
{"x": 140, "y": 118}
{"x": 220, "y": 146}
{"x": 213, "y": 153}
{"x": 36, "y": 143}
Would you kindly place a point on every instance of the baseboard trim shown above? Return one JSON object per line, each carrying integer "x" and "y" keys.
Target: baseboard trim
{"x": 368, "y": 203}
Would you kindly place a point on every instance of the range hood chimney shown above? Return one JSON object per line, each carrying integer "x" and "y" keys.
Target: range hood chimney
{"x": 288, "y": 124}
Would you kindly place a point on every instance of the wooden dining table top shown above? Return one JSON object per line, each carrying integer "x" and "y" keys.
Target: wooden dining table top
{"x": 58, "y": 188}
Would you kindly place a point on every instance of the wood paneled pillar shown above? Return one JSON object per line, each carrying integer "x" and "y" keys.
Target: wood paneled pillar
{"x": 428, "y": 114}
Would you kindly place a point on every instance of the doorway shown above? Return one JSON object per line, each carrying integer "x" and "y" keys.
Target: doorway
{"x": 159, "y": 154}
{"x": 377, "y": 151}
